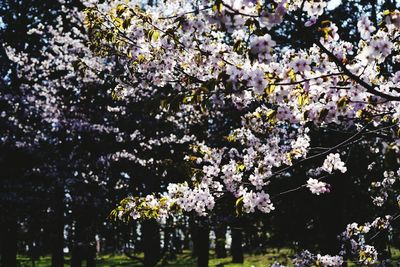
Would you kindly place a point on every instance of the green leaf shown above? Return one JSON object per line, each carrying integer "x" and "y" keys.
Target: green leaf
{"x": 342, "y": 102}
{"x": 121, "y": 9}
{"x": 322, "y": 114}
{"x": 236, "y": 46}
{"x": 270, "y": 89}
{"x": 239, "y": 206}
{"x": 156, "y": 35}
{"x": 126, "y": 23}
{"x": 271, "y": 116}
{"x": 240, "y": 167}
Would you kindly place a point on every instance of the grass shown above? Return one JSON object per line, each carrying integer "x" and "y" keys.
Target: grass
{"x": 270, "y": 257}
{"x": 184, "y": 260}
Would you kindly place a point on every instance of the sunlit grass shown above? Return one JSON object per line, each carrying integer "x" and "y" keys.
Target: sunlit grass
{"x": 183, "y": 259}
{"x": 282, "y": 256}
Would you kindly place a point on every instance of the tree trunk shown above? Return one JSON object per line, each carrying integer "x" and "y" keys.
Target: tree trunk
{"x": 91, "y": 260}
{"x": 91, "y": 248}
{"x": 110, "y": 241}
{"x": 57, "y": 250}
{"x": 151, "y": 242}
{"x": 236, "y": 246}
{"x": 84, "y": 248}
{"x": 76, "y": 255}
{"x": 220, "y": 232}
{"x": 203, "y": 244}
{"x": 9, "y": 244}
{"x": 78, "y": 252}
{"x": 193, "y": 234}
{"x": 168, "y": 236}
{"x": 177, "y": 242}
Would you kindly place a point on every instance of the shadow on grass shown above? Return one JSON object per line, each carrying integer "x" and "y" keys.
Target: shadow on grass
{"x": 185, "y": 259}
{"x": 222, "y": 264}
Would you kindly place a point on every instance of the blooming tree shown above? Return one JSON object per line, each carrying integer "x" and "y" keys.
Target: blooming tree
{"x": 101, "y": 144}
{"x": 217, "y": 53}
{"x": 247, "y": 102}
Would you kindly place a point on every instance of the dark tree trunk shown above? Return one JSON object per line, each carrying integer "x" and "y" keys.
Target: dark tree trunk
{"x": 110, "y": 241}
{"x": 91, "y": 260}
{"x": 193, "y": 233}
{"x": 57, "y": 236}
{"x": 151, "y": 242}
{"x": 168, "y": 236}
{"x": 220, "y": 232}
{"x": 76, "y": 255}
{"x": 203, "y": 244}
{"x": 150, "y": 229}
{"x": 176, "y": 242}
{"x": 186, "y": 241}
{"x": 9, "y": 244}
{"x": 91, "y": 248}
{"x": 84, "y": 248}
{"x": 236, "y": 246}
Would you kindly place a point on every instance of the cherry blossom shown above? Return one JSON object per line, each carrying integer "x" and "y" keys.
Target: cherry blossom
{"x": 314, "y": 8}
{"x": 317, "y": 187}
{"x": 259, "y": 200}
{"x": 328, "y": 260}
{"x": 214, "y": 57}
{"x": 365, "y": 27}
{"x": 333, "y": 162}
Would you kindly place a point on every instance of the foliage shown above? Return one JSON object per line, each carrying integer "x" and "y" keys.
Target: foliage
{"x": 269, "y": 112}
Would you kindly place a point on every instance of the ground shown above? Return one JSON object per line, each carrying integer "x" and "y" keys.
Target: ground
{"x": 184, "y": 260}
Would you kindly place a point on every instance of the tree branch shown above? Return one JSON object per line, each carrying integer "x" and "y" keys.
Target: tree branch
{"x": 370, "y": 88}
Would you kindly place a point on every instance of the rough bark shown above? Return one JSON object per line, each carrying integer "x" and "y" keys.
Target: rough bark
{"x": 57, "y": 236}
{"x": 151, "y": 242}
{"x": 9, "y": 244}
{"x": 203, "y": 244}
{"x": 193, "y": 233}
{"x": 236, "y": 246}
{"x": 220, "y": 239}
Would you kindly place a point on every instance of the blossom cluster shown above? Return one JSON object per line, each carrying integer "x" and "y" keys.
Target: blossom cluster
{"x": 235, "y": 65}
{"x": 333, "y": 162}
{"x": 383, "y": 188}
{"x": 260, "y": 200}
{"x": 221, "y": 83}
{"x": 306, "y": 258}
{"x": 358, "y": 237}
{"x": 317, "y": 187}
